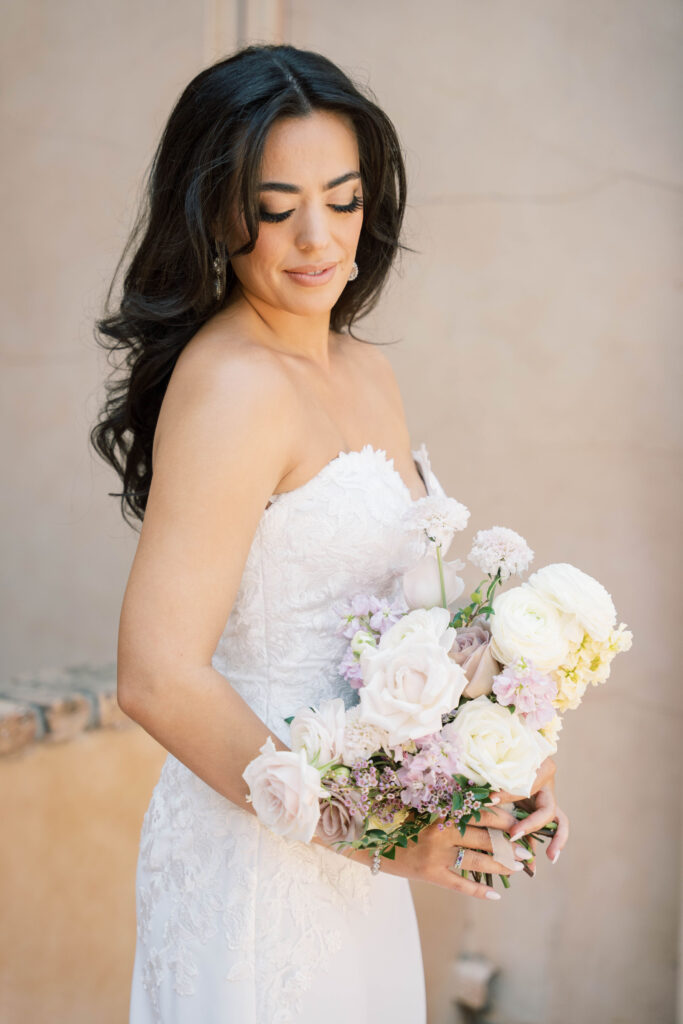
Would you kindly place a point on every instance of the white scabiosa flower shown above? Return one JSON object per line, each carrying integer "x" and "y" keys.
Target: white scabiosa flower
{"x": 501, "y": 549}
{"x": 439, "y": 516}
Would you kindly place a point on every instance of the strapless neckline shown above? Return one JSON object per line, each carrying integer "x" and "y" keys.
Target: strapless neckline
{"x": 367, "y": 449}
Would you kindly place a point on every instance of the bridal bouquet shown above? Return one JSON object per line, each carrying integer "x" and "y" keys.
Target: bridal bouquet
{"x": 453, "y": 702}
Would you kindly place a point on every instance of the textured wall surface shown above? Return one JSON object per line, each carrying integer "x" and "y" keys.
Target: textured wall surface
{"x": 539, "y": 358}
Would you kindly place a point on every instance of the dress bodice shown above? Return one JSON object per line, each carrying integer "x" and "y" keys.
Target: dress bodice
{"x": 338, "y": 534}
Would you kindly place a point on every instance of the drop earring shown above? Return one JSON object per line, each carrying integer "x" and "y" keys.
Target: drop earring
{"x": 219, "y": 272}
{"x": 354, "y": 271}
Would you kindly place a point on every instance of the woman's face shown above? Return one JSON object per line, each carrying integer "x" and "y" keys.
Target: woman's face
{"x": 318, "y": 222}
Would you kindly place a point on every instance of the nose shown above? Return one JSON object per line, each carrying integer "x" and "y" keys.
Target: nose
{"x": 312, "y": 229}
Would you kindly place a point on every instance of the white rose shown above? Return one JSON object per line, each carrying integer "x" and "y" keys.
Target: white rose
{"x": 285, "y": 790}
{"x": 422, "y": 584}
{"x": 525, "y": 624}
{"x": 497, "y": 747}
{"x": 426, "y": 625}
{"x": 409, "y": 686}
{"x": 576, "y": 593}
{"x": 319, "y": 732}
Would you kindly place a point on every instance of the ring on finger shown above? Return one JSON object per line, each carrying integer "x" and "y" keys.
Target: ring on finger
{"x": 458, "y": 860}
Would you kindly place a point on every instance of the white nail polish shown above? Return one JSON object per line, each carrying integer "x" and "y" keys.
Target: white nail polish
{"x": 492, "y": 895}
{"x": 555, "y": 857}
{"x": 517, "y": 867}
{"x": 521, "y": 853}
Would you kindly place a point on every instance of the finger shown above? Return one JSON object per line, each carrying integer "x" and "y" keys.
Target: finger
{"x": 467, "y": 886}
{"x": 534, "y": 821}
{"x": 501, "y": 796}
{"x": 561, "y": 835}
{"x": 477, "y": 860}
{"x": 474, "y": 838}
{"x": 494, "y": 817}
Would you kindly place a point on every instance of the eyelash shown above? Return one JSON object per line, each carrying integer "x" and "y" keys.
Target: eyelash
{"x": 275, "y": 218}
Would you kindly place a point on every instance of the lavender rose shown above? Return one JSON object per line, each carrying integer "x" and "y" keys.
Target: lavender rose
{"x": 471, "y": 650}
{"x": 337, "y": 822}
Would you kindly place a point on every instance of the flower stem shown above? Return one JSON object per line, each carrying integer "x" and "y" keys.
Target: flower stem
{"x": 441, "y": 579}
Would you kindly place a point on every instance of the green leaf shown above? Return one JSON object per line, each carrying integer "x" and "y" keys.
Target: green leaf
{"x": 457, "y": 800}
{"x": 401, "y": 841}
{"x": 477, "y": 815}
{"x": 289, "y": 720}
{"x": 390, "y": 854}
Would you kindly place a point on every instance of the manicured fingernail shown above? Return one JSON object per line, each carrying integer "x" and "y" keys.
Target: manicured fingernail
{"x": 515, "y": 834}
{"x": 494, "y": 800}
{"x": 492, "y": 895}
{"x": 521, "y": 853}
{"x": 517, "y": 867}
{"x": 555, "y": 857}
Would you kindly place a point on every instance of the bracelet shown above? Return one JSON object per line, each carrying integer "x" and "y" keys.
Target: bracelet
{"x": 375, "y": 862}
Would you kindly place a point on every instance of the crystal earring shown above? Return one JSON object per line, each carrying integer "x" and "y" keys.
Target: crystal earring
{"x": 354, "y": 271}
{"x": 219, "y": 271}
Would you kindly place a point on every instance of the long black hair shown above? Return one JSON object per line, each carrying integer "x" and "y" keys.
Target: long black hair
{"x": 210, "y": 155}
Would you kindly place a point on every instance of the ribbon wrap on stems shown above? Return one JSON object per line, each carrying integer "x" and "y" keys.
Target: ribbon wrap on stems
{"x": 503, "y": 849}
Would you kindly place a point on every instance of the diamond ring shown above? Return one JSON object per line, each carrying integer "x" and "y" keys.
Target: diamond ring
{"x": 458, "y": 859}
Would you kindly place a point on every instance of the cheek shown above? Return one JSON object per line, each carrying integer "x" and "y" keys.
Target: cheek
{"x": 265, "y": 262}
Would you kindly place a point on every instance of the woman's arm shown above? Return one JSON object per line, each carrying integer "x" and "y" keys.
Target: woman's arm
{"x": 226, "y": 440}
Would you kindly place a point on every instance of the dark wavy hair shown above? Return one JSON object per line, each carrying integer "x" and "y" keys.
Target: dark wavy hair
{"x": 208, "y": 157}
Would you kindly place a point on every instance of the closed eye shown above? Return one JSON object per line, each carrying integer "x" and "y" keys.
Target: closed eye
{"x": 275, "y": 218}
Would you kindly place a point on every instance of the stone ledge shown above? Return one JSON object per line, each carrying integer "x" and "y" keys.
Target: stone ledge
{"x": 55, "y": 705}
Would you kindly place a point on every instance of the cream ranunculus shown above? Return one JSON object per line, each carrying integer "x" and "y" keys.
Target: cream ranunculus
{"x": 525, "y": 624}
{"x": 576, "y": 593}
{"x": 410, "y": 684}
{"x": 319, "y": 732}
{"x": 497, "y": 747}
{"x": 285, "y": 790}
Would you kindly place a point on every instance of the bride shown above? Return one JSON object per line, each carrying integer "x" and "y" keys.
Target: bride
{"x": 282, "y": 467}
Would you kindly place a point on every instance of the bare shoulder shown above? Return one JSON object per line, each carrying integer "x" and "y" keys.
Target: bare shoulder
{"x": 240, "y": 386}
{"x": 223, "y": 443}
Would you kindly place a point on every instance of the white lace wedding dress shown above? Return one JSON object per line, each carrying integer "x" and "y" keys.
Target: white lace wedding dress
{"x": 236, "y": 924}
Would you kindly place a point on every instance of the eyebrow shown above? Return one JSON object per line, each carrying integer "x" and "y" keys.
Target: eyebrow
{"x": 281, "y": 186}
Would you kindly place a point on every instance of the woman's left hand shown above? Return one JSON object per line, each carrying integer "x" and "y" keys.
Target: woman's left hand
{"x": 543, "y": 809}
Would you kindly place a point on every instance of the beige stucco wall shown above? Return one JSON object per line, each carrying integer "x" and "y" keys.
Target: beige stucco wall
{"x": 540, "y": 321}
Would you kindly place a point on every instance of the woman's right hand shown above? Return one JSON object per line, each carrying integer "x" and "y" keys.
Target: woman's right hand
{"x": 432, "y": 856}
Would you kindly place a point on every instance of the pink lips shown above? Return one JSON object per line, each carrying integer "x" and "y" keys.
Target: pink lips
{"x": 312, "y": 274}
{"x": 307, "y": 267}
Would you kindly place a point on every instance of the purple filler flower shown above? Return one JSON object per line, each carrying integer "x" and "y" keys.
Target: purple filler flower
{"x": 530, "y": 691}
{"x": 350, "y": 669}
